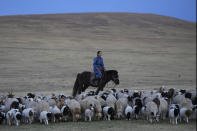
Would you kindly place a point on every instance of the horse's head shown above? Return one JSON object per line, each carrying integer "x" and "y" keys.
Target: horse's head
{"x": 114, "y": 76}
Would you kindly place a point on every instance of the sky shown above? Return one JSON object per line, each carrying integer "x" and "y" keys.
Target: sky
{"x": 182, "y": 9}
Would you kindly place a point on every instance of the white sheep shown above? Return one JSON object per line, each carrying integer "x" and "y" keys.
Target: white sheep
{"x": 75, "y": 108}
{"x": 89, "y": 113}
{"x": 151, "y": 111}
{"x": 101, "y": 100}
{"x": 120, "y": 107}
{"x": 185, "y": 114}
{"x": 121, "y": 94}
{"x": 28, "y": 115}
{"x": 85, "y": 104}
{"x": 42, "y": 106}
{"x": 111, "y": 100}
{"x": 163, "y": 108}
{"x": 45, "y": 116}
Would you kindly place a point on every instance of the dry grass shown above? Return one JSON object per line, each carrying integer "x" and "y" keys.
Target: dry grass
{"x": 116, "y": 125}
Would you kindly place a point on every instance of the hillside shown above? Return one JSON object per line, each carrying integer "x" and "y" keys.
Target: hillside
{"x": 45, "y": 52}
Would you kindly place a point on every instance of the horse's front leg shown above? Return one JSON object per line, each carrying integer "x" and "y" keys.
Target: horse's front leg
{"x": 80, "y": 89}
{"x": 100, "y": 88}
{"x": 84, "y": 88}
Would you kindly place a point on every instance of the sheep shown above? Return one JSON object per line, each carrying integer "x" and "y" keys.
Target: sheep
{"x": 179, "y": 99}
{"x": 128, "y": 112}
{"x": 151, "y": 111}
{"x": 101, "y": 100}
{"x": 98, "y": 109}
{"x": 45, "y": 116}
{"x": 111, "y": 100}
{"x": 174, "y": 113}
{"x": 2, "y": 117}
{"x": 108, "y": 113}
{"x": 42, "y": 106}
{"x": 187, "y": 103}
{"x": 163, "y": 108}
{"x": 143, "y": 111}
{"x": 66, "y": 112}
{"x": 60, "y": 103}
{"x": 81, "y": 96}
{"x": 3, "y": 108}
{"x": 21, "y": 107}
{"x": 137, "y": 107}
{"x": 182, "y": 101}
{"x": 136, "y": 94}
{"x": 56, "y": 113}
{"x": 194, "y": 112}
{"x": 89, "y": 113}
{"x": 10, "y": 116}
{"x": 11, "y": 103}
{"x": 36, "y": 108}
{"x": 104, "y": 95}
{"x": 185, "y": 114}
{"x": 146, "y": 99}
{"x": 17, "y": 118}
{"x": 51, "y": 102}
{"x": 121, "y": 94}
{"x": 30, "y": 95}
{"x": 171, "y": 93}
{"x": 120, "y": 107}
{"x": 13, "y": 116}
{"x": 28, "y": 115}
{"x": 75, "y": 108}
{"x": 85, "y": 103}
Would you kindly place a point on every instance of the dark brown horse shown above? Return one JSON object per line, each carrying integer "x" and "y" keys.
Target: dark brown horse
{"x": 84, "y": 80}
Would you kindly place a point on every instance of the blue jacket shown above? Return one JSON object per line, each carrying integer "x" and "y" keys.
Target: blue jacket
{"x": 98, "y": 63}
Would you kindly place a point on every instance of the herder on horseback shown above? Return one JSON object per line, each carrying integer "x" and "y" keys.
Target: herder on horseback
{"x": 99, "y": 78}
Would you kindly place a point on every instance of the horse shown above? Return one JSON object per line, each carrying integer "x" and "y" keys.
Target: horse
{"x": 84, "y": 80}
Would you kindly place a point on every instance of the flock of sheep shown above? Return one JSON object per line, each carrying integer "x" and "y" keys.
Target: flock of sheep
{"x": 159, "y": 104}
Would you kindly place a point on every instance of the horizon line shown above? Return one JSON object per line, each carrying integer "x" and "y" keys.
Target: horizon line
{"x": 92, "y": 12}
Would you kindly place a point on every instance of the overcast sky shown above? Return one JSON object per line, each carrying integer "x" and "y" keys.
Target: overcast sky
{"x": 182, "y": 9}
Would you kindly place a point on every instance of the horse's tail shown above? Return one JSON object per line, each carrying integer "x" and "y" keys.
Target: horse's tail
{"x": 76, "y": 85}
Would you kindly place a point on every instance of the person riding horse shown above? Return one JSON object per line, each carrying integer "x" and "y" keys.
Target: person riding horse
{"x": 98, "y": 79}
{"x": 98, "y": 67}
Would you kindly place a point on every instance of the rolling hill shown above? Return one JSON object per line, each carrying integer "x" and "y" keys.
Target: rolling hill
{"x": 45, "y": 52}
